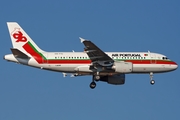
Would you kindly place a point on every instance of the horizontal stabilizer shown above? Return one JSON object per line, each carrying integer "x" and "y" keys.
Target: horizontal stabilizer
{"x": 18, "y": 54}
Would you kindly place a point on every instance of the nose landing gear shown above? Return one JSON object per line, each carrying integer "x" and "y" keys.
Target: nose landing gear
{"x": 151, "y": 78}
{"x": 152, "y": 82}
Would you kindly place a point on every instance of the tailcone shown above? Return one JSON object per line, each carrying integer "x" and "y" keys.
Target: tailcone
{"x": 10, "y": 57}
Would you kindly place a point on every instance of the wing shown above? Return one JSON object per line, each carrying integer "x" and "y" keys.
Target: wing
{"x": 96, "y": 54}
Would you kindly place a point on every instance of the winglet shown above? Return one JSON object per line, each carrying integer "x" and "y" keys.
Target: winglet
{"x": 82, "y": 40}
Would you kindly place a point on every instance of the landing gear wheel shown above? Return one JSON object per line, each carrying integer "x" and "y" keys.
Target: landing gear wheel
{"x": 152, "y": 82}
{"x": 96, "y": 77}
{"x": 92, "y": 85}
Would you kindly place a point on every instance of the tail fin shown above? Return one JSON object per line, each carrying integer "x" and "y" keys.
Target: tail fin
{"x": 20, "y": 38}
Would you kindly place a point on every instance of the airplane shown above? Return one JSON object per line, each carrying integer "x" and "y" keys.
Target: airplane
{"x": 110, "y": 67}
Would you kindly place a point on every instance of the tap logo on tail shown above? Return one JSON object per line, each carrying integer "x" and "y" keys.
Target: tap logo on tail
{"x": 17, "y": 34}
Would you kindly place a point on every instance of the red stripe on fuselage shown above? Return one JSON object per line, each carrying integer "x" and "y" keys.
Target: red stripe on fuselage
{"x": 151, "y": 62}
{"x": 69, "y": 61}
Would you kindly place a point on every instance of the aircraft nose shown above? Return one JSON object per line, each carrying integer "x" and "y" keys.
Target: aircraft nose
{"x": 175, "y": 65}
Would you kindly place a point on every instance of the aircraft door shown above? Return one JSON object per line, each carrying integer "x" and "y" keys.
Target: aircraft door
{"x": 153, "y": 58}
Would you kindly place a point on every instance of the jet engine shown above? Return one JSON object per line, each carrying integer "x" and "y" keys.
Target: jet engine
{"x": 115, "y": 80}
{"x": 122, "y": 67}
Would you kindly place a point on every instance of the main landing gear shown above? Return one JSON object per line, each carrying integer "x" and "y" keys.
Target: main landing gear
{"x": 94, "y": 78}
{"x": 92, "y": 85}
{"x": 151, "y": 78}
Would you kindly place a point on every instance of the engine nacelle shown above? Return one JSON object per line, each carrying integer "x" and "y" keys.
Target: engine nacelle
{"x": 85, "y": 68}
{"x": 123, "y": 67}
{"x": 115, "y": 80}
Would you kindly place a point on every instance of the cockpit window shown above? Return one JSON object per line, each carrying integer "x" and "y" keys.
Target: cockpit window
{"x": 165, "y": 58}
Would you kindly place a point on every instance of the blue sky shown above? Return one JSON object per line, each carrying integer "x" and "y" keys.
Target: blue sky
{"x": 31, "y": 94}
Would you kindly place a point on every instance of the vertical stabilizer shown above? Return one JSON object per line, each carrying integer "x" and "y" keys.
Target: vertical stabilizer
{"x": 20, "y": 38}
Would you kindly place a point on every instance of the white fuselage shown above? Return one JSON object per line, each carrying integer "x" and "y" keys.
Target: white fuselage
{"x": 79, "y": 62}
